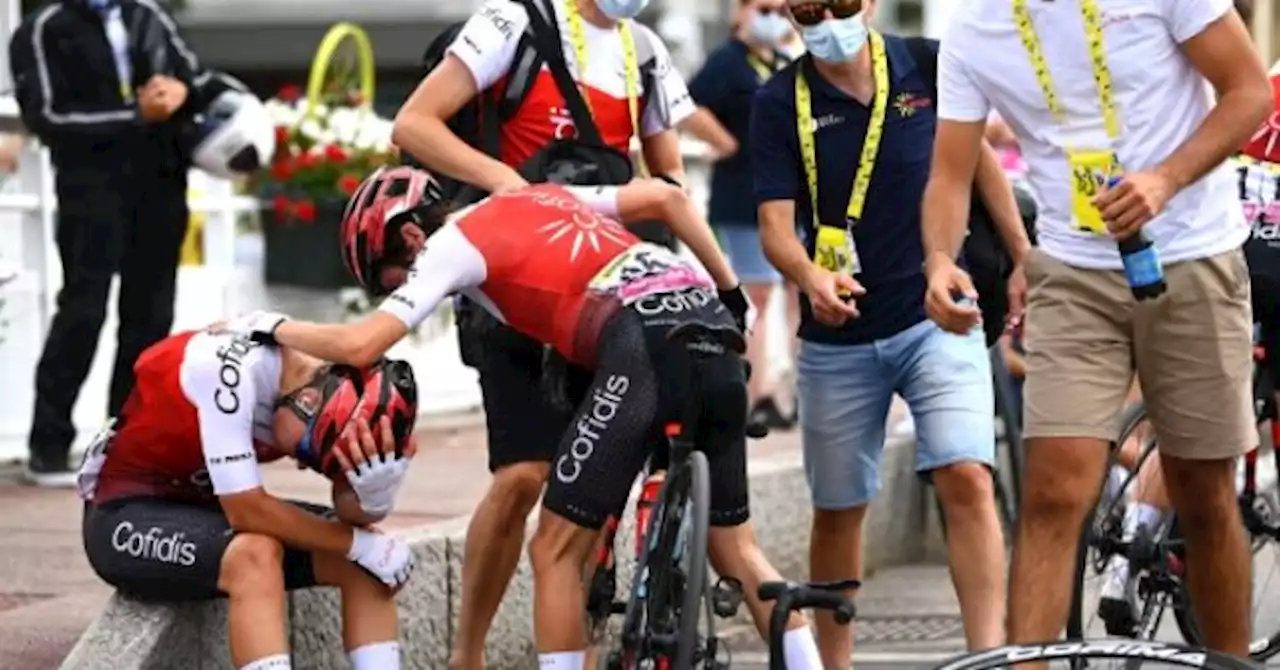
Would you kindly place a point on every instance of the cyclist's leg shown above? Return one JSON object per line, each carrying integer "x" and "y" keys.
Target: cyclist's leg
{"x": 591, "y": 477}
{"x": 1079, "y": 369}
{"x": 946, "y": 381}
{"x": 523, "y": 432}
{"x": 370, "y": 626}
{"x": 1188, "y": 351}
{"x": 844, "y": 400}
{"x": 732, "y": 545}
{"x": 161, "y": 550}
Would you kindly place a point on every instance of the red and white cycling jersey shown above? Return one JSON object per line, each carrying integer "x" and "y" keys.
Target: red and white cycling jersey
{"x": 197, "y": 424}
{"x": 487, "y": 46}
{"x": 1265, "y": 143}
{"x": 548, "y": 261}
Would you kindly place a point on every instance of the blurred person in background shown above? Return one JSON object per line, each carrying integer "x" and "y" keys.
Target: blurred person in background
{"x": 104, "y": 84}
{"x": 723, "y": 90}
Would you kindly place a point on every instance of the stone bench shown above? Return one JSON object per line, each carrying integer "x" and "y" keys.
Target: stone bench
{"x": 129, "y": 635}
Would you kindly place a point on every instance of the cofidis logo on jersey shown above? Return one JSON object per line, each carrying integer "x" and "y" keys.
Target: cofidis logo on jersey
{"x": 231, "y": 358}
{"x": 587, "y": 432}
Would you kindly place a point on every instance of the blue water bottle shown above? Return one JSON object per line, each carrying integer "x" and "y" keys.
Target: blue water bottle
{"x": 1141, "y": 262}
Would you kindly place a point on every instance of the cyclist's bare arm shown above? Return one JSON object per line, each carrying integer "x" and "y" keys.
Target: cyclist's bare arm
{"x": 226, "y": 434}
{"x": 1223, "y": 53}
{"x": 347, "y": 504}
{"x": 704, "y": 125}
{"x": 421, "y": 130}
{"x": 997, "y": 194}
{"x": 445, "y": 266}
{"x": 662, "y": 155}
{"x": 648, "y": 199}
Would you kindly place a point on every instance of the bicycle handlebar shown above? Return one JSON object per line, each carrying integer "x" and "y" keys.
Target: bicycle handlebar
{"x": 790, "y": 596}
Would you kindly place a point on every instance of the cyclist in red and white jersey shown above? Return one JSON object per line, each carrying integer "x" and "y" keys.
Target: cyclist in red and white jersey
{"x": 175, "y": 507}
{"x": 603, "y": 47}
{"x": 555, "y": 264}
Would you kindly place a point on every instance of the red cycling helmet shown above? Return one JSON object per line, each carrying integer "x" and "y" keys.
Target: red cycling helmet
{"x": 325, "y": 405}
{"x": 390, "y": 390}
{"x": 387, "y": 199}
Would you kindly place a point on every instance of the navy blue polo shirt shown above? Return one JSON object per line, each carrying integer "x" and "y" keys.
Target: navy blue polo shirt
{"x": 726, "y": 85}
{"x": 888, "y": 236}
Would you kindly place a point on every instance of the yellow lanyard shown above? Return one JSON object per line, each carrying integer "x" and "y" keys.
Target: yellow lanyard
{"x": 632, "y": 69}
{"x": 763, "y": 70}
{"x": 1090, "y": 169}
{"x": 805, "y": 128}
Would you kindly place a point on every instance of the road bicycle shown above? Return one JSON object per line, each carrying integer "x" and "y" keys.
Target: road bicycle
{"x": 788, "y": 597}
{"x": 670, "y": 590}
{"x": 1157, "y": 556}
{"x": 1096, "y": 653}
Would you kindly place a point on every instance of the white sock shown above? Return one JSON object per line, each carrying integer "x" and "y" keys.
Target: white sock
{"x": 800, "y": 650}
{"x": 277, "y": 662}
{"x": 1117, "y": 578}
{"x": 376, "y": 656}
{"x": 563, "y": 660}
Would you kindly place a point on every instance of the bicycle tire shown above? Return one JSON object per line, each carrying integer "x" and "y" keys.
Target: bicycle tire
{"x": 698, "y": 471}
{"x": 1130, "y": 419}
{"x": 1169, "y": 654}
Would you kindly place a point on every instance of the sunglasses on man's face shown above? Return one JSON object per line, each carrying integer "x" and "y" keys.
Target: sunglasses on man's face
{"x": 814, "y": 12}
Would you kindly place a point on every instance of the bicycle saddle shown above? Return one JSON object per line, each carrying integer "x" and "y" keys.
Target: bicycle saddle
{"x": 708, "y": 339}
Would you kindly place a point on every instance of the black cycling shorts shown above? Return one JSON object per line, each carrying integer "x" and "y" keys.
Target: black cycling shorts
{"x": 643, "y": 382}
{"x": 523, "y": 422}
{"x": 1266, "y": 313}
{"x": 156, "y": 549}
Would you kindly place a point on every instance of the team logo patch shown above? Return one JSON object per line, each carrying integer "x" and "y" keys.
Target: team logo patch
{"x": 908, "y": 104}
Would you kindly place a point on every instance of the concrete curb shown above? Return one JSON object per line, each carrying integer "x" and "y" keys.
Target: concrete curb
{"x": 129, "y": 635}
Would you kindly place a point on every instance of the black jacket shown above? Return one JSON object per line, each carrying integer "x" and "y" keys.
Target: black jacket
{"x": 69, "y": 93}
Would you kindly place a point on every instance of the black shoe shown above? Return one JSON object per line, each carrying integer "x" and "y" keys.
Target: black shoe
{"x": 51, "y": 472}
{"x": 766, "y": 413}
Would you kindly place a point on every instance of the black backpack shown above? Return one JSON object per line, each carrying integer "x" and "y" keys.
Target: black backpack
{"x": 985, "y": 256}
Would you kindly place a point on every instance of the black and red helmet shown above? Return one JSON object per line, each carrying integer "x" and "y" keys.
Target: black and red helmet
{"x": 326, "y": 404}
{"x": 387, "y": 199}
{"x": 390, "y": 390}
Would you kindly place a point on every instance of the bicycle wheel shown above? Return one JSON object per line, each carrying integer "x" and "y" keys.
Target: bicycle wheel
{"x": 1154, "y": 582}
{"x": 1098, "y": 654}
{"x": 671, "y": 580}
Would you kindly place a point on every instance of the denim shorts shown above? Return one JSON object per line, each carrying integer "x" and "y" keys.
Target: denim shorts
{"x": 741, "y": 243}
{"x": 845, "y": 392}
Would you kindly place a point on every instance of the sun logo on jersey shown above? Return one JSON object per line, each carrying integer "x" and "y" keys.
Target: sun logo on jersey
{"x": 1268, "y": 133}
{"x": 584, "y": 228}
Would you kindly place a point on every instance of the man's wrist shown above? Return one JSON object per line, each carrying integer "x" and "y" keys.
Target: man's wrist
{"x": 936, "y": 260}
{"x": 1172, "y": 175}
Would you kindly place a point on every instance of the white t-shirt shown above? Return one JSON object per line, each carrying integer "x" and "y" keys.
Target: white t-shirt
{"x": 487, "y": 46}
{"x": 1161, "y": 100}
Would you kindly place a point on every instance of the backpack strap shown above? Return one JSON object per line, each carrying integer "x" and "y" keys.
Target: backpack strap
{"x": 546, "y": 39}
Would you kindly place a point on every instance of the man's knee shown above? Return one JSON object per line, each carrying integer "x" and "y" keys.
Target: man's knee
{"x": 964, "y": 487}
{"x": 516, "y": 488}
{"x": 557, "y": 542}
{"x": 1063, "y": 476}
{"x": 827, "y": 522}
{"x": 1204, "y": 491}
{"x": 252, "y": 562}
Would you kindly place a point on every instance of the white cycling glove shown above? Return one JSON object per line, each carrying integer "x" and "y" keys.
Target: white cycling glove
{"x": 386, "y": 557}
{"x": 377, "y": 481}
{"x": 260, "y": 326}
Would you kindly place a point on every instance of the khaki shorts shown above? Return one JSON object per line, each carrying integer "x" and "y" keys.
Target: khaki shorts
{"x": 1191, "y": 349}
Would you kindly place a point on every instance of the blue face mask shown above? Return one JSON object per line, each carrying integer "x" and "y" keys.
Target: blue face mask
{"x": 767, "y": 28}
{"x": 621, "y": 9}
{"x": 836, "y": 40}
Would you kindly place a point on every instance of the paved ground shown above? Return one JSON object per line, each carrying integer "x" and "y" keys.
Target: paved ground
{"x": 49, "y": 594}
